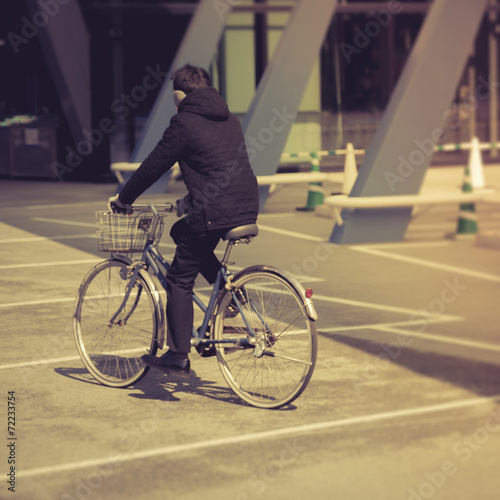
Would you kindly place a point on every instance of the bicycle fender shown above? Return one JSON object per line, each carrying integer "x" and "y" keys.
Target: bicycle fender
{"x": 292, "y": 280}
{"x": 160, "y": 338}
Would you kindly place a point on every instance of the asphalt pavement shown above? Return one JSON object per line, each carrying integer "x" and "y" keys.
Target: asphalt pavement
{"x": 403, "y": 403}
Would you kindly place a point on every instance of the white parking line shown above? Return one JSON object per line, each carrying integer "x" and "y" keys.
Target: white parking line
{"x": 372, "y": 326}
{"x": 414, "y": 313}
{"x": 446, "y": 226}
{"x": 65, "y": 205}
{"x": 393, "y": 328}
{"x": 118, "y": 458}
{"x": 49, "y": 264}
{"x": 61, "y": 221}
{"x": 428, "y": 263}
{"x": 51, "y": 361}
{"x": 34, "y": 239}
{"x": 39, "y": 362}
{"x": 37, "y": 302}
{"x": 403, "y": 245}
{"x": 439, "y": 338}
{"x": 293, "y": 234}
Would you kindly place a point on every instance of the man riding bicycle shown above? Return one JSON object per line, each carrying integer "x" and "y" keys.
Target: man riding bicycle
{"x": 208, "y": 142}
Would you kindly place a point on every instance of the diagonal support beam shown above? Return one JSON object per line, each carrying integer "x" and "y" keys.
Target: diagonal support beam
{"x": 269, "y": 120}
{"x": 396, "y": 162}
{"x": 198, "y": 48}
{"x": 65, "y": 43}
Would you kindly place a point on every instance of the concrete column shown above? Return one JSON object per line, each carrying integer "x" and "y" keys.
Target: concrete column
{"x": 397, "y": 159}
{"x": 198, "y": 48}
{"x": 269, "y": 120}
{"x": 493, "y": 78}
{"x": 66, "y": 45}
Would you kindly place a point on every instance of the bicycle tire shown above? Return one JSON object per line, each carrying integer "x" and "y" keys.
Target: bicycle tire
{"x": 111, "y": 353}
{"x": 276, "y": 311}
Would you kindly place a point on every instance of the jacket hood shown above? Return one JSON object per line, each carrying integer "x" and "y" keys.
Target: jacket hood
{"x": 206, "y": 102}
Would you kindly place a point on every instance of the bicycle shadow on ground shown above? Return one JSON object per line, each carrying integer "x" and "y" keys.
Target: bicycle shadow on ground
{"x": 159, "y": 386}
{"x": 461, "y": 366}
{"x": 156, "y": 385}
{"x": 79, "y": 374}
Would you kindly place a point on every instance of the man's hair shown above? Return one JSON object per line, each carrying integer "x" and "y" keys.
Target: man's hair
{"x": 189, "y": 78}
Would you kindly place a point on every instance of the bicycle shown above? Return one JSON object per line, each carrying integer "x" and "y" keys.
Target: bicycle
{"x": 260, "y": 324}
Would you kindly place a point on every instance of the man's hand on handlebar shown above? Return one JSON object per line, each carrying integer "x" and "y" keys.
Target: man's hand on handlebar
{"x": 117, "y": 207}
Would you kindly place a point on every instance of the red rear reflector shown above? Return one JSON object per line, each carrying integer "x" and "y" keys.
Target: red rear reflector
{"x": 309, "y": 293}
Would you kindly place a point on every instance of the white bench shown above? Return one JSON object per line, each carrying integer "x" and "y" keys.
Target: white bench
{"x": 271, "y": 180}
{"x": 123, "y": 166}
{"x": 338, "y": 202}
{"x": 299, "y": 178}
{"x": 263, "y": 180}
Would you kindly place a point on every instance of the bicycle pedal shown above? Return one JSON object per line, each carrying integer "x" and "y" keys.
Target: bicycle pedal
{"x": 206, "y": 351}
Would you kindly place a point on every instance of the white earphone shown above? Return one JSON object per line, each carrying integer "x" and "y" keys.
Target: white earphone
{"x": 178, "y": 96}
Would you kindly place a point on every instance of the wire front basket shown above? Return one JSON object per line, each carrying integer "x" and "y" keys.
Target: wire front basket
{"x": 127, "y": 233}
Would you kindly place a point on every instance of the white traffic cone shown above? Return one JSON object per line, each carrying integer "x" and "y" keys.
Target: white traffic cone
{"x": 476, "y": 165}
{"x": 350, "y": 169}
{"x": 350, "y": 175}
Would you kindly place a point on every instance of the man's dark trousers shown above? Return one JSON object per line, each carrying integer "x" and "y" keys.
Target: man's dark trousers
{"x": 194, "y": 254}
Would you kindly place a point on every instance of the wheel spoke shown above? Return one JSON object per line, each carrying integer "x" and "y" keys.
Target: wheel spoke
{"x": 280, "y": 366}
{"x": 111, "y": 353}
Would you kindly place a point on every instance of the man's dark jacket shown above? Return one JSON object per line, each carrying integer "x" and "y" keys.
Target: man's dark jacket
{"x": 207, "y": 141}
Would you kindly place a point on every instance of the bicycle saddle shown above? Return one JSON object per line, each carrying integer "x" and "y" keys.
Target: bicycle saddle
{"x": 240, "y": 232}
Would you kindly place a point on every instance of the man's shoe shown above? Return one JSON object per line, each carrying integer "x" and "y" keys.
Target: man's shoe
{"x": 168, "y": 363}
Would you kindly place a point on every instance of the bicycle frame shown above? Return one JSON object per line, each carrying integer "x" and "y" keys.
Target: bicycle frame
{"x": 150, "y": 260}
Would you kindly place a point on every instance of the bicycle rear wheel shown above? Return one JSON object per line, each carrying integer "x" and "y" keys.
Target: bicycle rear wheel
{"x": 111, "y": 351}
{"x": 276, "y": 366}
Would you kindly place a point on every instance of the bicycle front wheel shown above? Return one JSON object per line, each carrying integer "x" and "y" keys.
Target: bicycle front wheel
{"x": 274, "y": 352}
{"x": 111, "y": 348}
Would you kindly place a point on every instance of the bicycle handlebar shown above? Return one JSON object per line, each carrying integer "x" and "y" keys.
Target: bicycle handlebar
{"x": 152, "y": 207}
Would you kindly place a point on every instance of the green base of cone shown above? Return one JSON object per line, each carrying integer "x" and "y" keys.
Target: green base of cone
{"x": 467, "y": 227}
